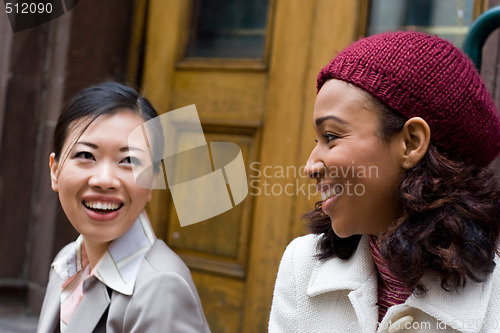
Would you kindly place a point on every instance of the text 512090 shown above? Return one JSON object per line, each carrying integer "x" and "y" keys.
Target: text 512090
{"x": 28, "y": 8}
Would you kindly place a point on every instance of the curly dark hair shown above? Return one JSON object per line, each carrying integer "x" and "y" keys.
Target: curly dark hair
{"x": 449, "y": 222}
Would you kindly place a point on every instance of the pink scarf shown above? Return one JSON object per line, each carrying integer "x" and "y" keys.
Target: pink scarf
{"x": 391, "y": 290}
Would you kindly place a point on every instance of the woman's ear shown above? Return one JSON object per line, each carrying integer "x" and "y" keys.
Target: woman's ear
{"x": 53, "y": 165}
{"x": 417, "y": 136}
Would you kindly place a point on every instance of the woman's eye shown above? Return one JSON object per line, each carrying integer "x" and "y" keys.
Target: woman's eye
{"x": 84, "y": 155}
{"x": 131, "y": 160}
{"x": 330, "y": 137}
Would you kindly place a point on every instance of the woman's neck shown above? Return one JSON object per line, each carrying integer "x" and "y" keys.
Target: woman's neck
{"x": 95, "y": 250}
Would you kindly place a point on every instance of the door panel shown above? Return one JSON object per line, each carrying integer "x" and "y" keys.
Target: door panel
{"x": 222, "y": 96}
{"x": 264, "y": 106}
{"x": 218, "y": 245}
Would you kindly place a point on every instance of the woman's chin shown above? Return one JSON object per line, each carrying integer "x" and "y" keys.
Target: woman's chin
{"x": 339, "y": 231}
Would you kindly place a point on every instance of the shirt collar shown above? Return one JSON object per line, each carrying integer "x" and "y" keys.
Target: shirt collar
{"x": 119, "y": 265}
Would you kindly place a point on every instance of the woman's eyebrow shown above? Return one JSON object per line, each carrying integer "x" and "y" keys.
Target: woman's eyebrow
{"x": 130, "y": 149}
{"x": 322, "y": 119}
{"x": 123, "y": 149}
{"x": 88, "y": 144}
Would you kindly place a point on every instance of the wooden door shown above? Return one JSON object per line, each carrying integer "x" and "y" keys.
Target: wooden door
{"x": 263, "y": 104}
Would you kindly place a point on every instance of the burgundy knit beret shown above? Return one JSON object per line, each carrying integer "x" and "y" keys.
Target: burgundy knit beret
{"x": 418, "y": 75}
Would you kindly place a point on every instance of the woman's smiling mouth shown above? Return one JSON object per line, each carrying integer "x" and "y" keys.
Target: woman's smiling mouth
{"x": 102, "y": 208}
{"x": 330, "y": 191}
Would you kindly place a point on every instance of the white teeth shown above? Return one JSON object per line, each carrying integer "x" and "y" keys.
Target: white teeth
{"x": 330, "y": 192}
{"x": 101, "y": 205}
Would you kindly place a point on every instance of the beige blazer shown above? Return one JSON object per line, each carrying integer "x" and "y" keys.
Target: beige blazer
{"x": 335, "y": 295}
{"x": 164, "y": 300}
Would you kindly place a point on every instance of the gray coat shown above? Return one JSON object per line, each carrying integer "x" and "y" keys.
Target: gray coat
{"x": 164, "y": 300}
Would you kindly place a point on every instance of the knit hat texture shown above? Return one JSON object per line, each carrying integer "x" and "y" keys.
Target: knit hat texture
{"x": 418, "y": 75}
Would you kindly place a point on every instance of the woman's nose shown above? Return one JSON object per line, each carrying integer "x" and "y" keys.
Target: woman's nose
{"x": 315, "y": 168}
{"x": 104, "y": 177}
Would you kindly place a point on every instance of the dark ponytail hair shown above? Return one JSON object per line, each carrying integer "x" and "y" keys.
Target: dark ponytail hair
{"x": 98, "y": 100}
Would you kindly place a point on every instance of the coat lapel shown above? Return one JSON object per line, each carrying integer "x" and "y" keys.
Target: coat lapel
{"x": 456, "y": 309}
{"x": 91, "y": 309}
{"x": 49, "y": 318}
{"x": 357, "y": 275}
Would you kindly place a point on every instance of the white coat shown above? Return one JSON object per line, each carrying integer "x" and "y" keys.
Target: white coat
{"x": 335, "y": 295}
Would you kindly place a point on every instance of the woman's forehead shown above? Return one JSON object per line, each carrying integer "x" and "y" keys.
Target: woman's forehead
{"x": 107, "y": 128}
{"x": 343, "y": 100}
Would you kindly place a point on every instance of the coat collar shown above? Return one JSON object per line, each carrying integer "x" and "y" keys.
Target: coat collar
{"x": 338, "y": 274}
{"x": 358, "y": 274}
{"x": 87, "y": 315}
{"x": 120, "y": 264}
{"x": 90, "y": 311}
